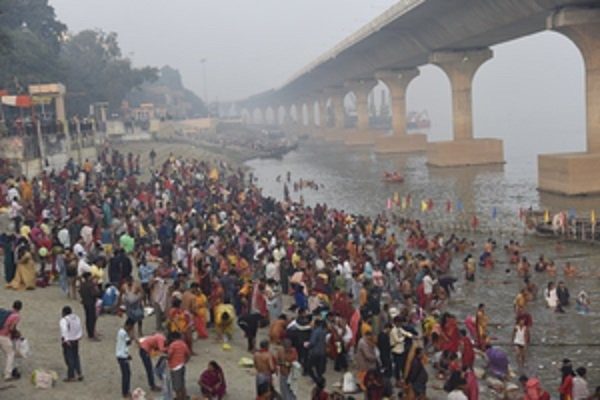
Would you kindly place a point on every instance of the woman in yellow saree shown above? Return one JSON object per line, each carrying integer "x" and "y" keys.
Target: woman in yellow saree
{"x": 25, "y": 273}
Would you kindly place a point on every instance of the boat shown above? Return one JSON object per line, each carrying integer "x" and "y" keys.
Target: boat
{"x": 418, "y": 120}
{"x": 392, "y": 177}
{"x": 561, "y": 226}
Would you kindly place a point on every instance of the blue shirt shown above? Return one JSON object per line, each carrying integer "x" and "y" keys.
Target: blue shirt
{"x": 145, "y": 272}
{"x": 109, "y": 298}
{"x": 123, "y": 341}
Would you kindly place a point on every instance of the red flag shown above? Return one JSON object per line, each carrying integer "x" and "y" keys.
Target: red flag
{"x": 429, "y": 205}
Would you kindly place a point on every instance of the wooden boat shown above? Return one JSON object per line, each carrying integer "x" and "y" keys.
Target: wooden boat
{"x": 393, "y": 177}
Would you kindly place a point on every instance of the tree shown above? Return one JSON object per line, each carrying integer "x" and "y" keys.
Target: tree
{"x": 35, "y": 15}
{"x": 30, "y": 38}
{"x": 168, "y": 92}
{"x": 96, "y": 71}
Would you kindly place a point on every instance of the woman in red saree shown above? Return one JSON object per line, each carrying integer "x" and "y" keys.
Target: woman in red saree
{"x": 450, "y": 339}
{"x": 212, "y": 382}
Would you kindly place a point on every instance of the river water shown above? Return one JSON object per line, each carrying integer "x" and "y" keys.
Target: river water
{"x": 352, "y": 181}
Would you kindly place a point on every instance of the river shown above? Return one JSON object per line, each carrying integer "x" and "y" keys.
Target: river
{"x": 352, "y": 181}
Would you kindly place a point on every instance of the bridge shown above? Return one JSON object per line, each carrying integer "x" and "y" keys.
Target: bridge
{"x": 455, "y": 35}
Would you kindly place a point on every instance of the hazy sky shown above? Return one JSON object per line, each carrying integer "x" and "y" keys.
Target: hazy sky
{"x": 530, "y": 94}
{"x": 250, "y": 45}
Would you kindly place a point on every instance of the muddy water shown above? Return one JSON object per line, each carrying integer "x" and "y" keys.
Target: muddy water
{"x": 352, "y": 181}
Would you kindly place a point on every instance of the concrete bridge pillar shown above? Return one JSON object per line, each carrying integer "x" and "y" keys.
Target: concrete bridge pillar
{"x": 399, "y": 142}
{"x": 578, "y": 173}
{"x": 287, "y": 116}
{"x": 361, "y": 89}
{"x": 335, "y": 132}
{"x": 322, "y": 103}
{"x": 321, "y": 128}
{"x": 337, "y": 102}
{"x": 300, "y": 114}
{"x": 461, "y": 66}
{"x": 276, "y": 114}
{"x": 310, "y": 113}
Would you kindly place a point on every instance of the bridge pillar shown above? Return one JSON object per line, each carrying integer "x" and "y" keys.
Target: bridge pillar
{"x": 399, "y": 142}
{"x": 276, "y": 120}
{"x": 299, "y": 127}
{"x": 362, "y": 134}
{"x": 320, "y": 128}
{"x": 578, "y": 173}
{"x": 337, "y": 132}
{"x": 287, "y": 123}
{"x": 310, "y": 114}
{"x": 460, "y": 67}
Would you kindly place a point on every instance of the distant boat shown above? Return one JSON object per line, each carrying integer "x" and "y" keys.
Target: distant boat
{"x": 392, "y": 177}
{"x": 418, "y": 120}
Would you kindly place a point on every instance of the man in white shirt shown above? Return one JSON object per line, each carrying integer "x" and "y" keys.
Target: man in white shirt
{"x": 399, "y": 350}
{"x": 78, "y": 248}
{"x": 14, "y": 212}
{"x": 123, "y": 357}
{"x": 64, "y": 238}
{"x": 82, "y": 265}
{"x": 272, "y": 270}
{"x": 428, "y": 283}
{"x": 71, "y": 332}
{"x": 13, "y": 194}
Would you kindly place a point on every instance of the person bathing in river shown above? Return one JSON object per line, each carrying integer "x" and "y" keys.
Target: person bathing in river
{"x": 551, "y": 269}
{"x": 541, "y": 264}
{"x": 562, "y": 292}
{"x": 551, "y": 296}
{"x": 569, "y": 271}
{"x": 521, "y": 339}
{"x": 523, "y": 267}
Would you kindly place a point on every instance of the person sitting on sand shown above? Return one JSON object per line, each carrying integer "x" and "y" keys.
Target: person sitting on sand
{"x": 25, "y": 272}
{"x": 212, "y": 382}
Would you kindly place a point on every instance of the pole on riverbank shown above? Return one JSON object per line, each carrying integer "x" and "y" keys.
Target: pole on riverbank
{"x": 41, "y": 146}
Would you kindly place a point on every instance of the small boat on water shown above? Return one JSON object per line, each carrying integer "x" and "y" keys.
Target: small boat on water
{"x": 561, "y": 226}
{"x": 392, "y": 177}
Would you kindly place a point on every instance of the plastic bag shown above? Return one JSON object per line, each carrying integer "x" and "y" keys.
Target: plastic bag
{"x": 43, "y": 379}
{"x": 246, "y": 362}
{"x": 22, "y": 347}
{"x": 138, "y": 394}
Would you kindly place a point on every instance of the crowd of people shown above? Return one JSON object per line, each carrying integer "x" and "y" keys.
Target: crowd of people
{"x": 200, "y": 250}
